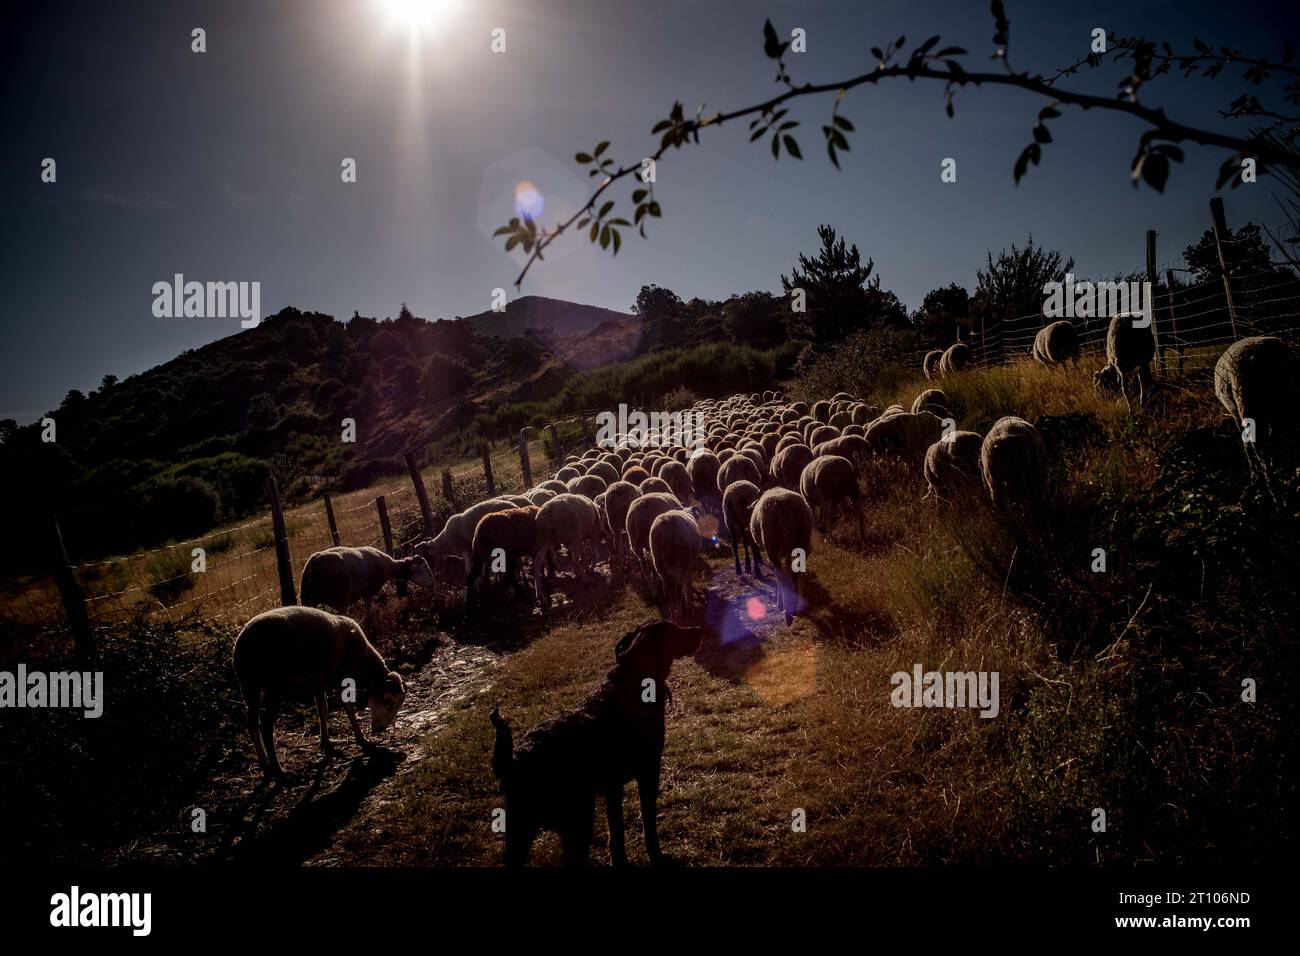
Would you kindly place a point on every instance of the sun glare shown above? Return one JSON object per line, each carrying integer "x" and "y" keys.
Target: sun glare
{"x": 414, "y": 15}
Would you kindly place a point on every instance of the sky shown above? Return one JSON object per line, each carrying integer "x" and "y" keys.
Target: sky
{"x": 225, "y": 165}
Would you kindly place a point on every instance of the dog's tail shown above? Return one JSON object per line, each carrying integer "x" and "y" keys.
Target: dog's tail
{"x": 503, "y": 751}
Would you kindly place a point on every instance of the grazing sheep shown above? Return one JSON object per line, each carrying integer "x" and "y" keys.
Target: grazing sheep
{"x": 539, "y": 496}
{"x": 605, "y": 471}
{"x": 569, "y": 520}
{"x": 952, "y": 463}
{"x": 618, "y": 499}
{"x": 931, "y": 400}
{"x": 1128, "y": 350}
{"x": 789, "y": 464}
{"x": 828, "y": 480}
{"x": 567, "y": 474}
{"x": 589, "y": 486}
{"x": 737, "y": 501}
{"x": 640, "y": 516}
{"x": 1056, "y": 344}
{"x": 957, "y": 358}
{"x": 703, "y": 468}
{"x": 674, "y": 472}
{"x": 822, "y": 433}
{"x": 655, "y": 486}
{"x": 1253, "y": 379}
{"x": 821, "y": 411}
{"x": 635, "y": 474}
{"x": 290, "y": 648}
{"x": 781, "y": 524}
{"x": 852, "y": 446}
{"x": 514, "y": 534}
{"x": 339, "y": 577}
{"x": 903, "y": 433}
{"x": 675, "y": 549}
{"x": 786, "y": 441}
{"x": 552, "y": 484}
{"x": 456, "y": 539}
{"x": 739, "y": 468}
{"x": 1013, "y": 463}
{"x": 930, "y": 364}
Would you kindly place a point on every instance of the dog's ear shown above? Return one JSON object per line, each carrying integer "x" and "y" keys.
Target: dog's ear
{"x": 627, "y": 640}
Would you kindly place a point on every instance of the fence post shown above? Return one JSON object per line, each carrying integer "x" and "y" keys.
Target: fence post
{"x": 1220, "y": 235}
{"x": 334, "y": 526}
{"x": 586, "y": 434}
{"x": 1151, "y": 297}
{"x": 288, "y": 595}
{"x": 421, "y": 494}
{"x": 1173, "y": 319}
{"x": 525, "y": 465}
{"x": 74, "y": 600}
{"x": 386, "y": 528}
{"x": 487, "y": 473}
{"x": 556, "y": 455}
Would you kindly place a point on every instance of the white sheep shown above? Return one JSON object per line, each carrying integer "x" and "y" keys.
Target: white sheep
{"x": 675, "y": 549}
{"x": 1056, "y": 344}
{"x": 618, "y": 499}
{"x": 293, "y": 648}
{"x": 737, "y": 502}
{"x": 825, "y": 482}
{"x": 1253, "y": 379}
{"x": 640, "y": 516}
{"x": 511, "y": 534}
{"x": 781, "y": 525}
{"x": 952, "y": 463}
{"x": 1013, "y": 464}
{"x": 568, "y": 520}
{"x": 339, "y": 577}
{"x": 930, "y": 364}
{"x": 908, "y": 434}
{"x": 1128, "y": 350}
{"x": 456, "y": 539}
{"x": 957, "y": 358}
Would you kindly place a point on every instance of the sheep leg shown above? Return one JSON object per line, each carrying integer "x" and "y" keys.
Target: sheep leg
{"x": 322, "y": 710}
{"x": 758, "y": 555}
{"x": 351, "y": 711}
{"x": 269, "y": 713}
{"x": 735, "y": 553}
{"x": 252, "y": 699}
{"x": 1123, "y": 389}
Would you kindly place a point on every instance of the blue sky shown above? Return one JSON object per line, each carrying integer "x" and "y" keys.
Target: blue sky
{"x": 225, "y": 165}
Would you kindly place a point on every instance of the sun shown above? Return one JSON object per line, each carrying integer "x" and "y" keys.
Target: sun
{"x": 414, "y": 15}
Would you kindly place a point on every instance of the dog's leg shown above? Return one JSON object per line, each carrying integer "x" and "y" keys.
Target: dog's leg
{"x": 576, "y": 837}
{"x": 647, "y": 785}
{"x": 614, "y": 813}
{"x": 322, "y": 710}
{"x": 520, "y": 833}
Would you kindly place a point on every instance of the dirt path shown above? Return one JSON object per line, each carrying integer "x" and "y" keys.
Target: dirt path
{"x": 249, "y": 820}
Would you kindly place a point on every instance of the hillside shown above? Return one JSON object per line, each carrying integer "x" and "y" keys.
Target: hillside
{"x": 553, "y": 316}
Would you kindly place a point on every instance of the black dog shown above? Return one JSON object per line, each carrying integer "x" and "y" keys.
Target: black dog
{"x": 616, "y": 735}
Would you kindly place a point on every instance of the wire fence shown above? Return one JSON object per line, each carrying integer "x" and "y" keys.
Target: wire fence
{"x": 1195, "y": 314}
{"x": 230, "y": 574}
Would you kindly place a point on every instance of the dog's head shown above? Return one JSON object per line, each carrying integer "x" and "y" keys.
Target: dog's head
{"x": 385, "y": 701}
{"x": 649, "y": 651}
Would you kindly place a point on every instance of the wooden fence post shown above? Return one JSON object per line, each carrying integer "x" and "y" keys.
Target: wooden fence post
{"x": 586, "y": 433}
{"x": 487, "y": 473}
{"x": 421, "y": 494}
{"x": 334, "y": 526}
{"x": 386, "y": 528}
{"x": 288, "y": 595}
{"x": 1220, "y": 236}
{"x": 1173, "y": 319}
{"x": 525, "y": 465}
{"x": 556, "y": 456}
{"x": 1151, "y": 297}
{"x": 74, "y": 600}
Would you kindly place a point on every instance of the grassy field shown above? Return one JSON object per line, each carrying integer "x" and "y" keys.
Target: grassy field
{"x": 1102, "y": 706}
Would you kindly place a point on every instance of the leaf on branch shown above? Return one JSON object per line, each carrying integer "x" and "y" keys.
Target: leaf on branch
{"x": 604, "y": 238}
{"x": 842, "y": 123}
{"x": 640, "y": 194}
{"x": 792, "y": 147}
{"x": 924, "y": 48}
{"x": 595, "y": 231}
{"x": 584, "y": 158}
{"x": 771, "y": 45}
{"x": 604, "y": 145}
{"x": 1041, "y": 134}
{"x": 618, "y": 240}
{"x": 1048, "y": 112}
{"x": 878, "y": 53}
{"x": 776, "y": 147}
{"x": 950, "y": 51}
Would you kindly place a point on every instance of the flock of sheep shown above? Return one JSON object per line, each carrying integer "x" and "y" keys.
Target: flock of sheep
{"x": 767, "y": 469}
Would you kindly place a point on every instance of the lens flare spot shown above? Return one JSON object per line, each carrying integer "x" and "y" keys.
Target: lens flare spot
{"x": 708, "y": 526}
{"x": 529, "y": 202}
{"x": 755, "y": 610}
